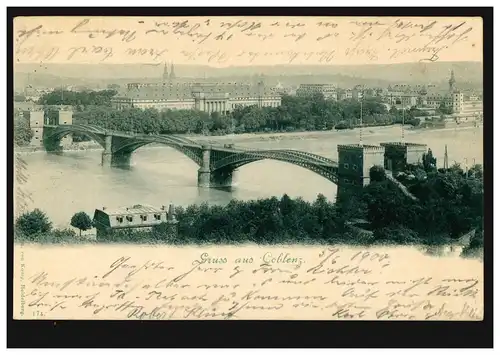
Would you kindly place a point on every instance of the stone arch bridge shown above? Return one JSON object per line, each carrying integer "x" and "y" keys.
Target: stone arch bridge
{"x": 217, "y": 162}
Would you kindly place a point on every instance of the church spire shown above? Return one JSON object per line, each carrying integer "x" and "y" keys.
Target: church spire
{"x": 165, "y": 72}
{"x": 172, "y": 72}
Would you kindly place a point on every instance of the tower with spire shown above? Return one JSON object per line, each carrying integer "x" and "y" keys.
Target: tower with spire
{"x": 172, "y": 72}
{"x": 165, "y": 73}
{"x": 452, "y": 82}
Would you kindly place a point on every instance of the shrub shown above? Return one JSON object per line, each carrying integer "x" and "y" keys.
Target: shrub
{"x": 34, "y": 222}
{"x": 377, "y": 173}
{"x": 396, "y": 234}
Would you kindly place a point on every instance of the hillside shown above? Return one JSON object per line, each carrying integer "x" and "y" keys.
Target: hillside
{"x": 99, "y": 75}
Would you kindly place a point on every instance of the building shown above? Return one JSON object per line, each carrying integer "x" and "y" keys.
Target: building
{"x": 401, "y": 87}
{"x": 355, "y": 161}
{"x": 401, "y": 99}
{"x": 398, "y": 155}
{"x": 55, "y": 115}
{"x": 454, "y": 100}
{"x": 464, "y": 106}
{"x": 329, "y": 91}
{"x": 472, "y": 106}
{"x": 107, "y": 221}
{"x": 280, "y": 89}
{"x": 36, "y": 122}
{"x": 341, "y": 95}
{"x": 161, "y": 97}
{"x": 369, "y": 93}
{"x": 357, "y": 92}
{"x": 21, "y": 107}
{"x": 208, "y": 97}
{"x": 225, "y": 98}
{"x": 414, "y": 89}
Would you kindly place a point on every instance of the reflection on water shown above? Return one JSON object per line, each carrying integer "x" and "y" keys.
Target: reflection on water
{"x": 74, "y": 181}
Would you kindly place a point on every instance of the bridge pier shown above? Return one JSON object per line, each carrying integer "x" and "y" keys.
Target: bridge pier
{"x": 204, "y": 178}
{"x": 208, "y": 178}
{"x": 110, "y": 159}
{"x": 204, "y": 174}
{"x": 107, "y": 154}
{"x": 121, "y": 160}
{"x": 51, "y": 144}
{"x": 215, "y": 179}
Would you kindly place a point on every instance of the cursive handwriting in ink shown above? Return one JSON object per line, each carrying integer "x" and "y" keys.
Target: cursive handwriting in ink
{"x": 82, "y": 27}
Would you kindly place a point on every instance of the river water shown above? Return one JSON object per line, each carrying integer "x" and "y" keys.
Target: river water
{"x": 64, "y": 184}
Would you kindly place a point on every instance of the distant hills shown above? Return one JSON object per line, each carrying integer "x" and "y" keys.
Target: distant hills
{"x": 468, "y": 74}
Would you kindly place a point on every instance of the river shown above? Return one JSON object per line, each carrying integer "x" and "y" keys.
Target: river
{"x": 64, "y": 184}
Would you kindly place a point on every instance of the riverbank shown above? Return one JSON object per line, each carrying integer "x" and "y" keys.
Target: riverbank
{"x": 448, "y": 125}
{"x": 278, "y": 136}
{"x": 311, "y": 135}
{"x": 83, "y": 146}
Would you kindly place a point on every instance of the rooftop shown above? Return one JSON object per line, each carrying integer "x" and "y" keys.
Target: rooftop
{"x": 135, "y": 209}
{"x": 359, "y": 146}
{"x": 406, "y": 144}
{"x": 174, "y": 91}
{"x": 26, "y": 105}
{"x": 401, "y": 93}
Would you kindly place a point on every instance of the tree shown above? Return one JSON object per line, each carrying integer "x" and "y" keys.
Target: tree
{"x": 444, "y": 109}
{"x": 342, "y": 125}
{"x": 377, "y": 173}
{"x": 398, "y": 234}
{"x": 74, "y": 98}
{"x": 476, "y": 171}
{"x": 413, "y": 121}
{"x": 22, "y": 132}
{"x": 429, "y": 161}
{"x": 387, "y": 204}
{"x": 34, "y": 222}
{"x": 82, "y": 221}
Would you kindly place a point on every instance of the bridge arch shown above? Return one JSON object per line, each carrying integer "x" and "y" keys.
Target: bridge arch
{"x": 322, "y": 166}
{"x": 52, "y": 135}
{"x": 130, "y": 146}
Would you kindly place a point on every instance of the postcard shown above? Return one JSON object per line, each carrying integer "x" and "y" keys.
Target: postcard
{"x": 248, "y": 168}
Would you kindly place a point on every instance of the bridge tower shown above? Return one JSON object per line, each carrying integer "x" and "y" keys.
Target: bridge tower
{"x": 57, "y": 116}
{"x": 36, "y": 118}
{"x": 399, "y": 154}
{"x": 65, "y": 117}
{"x": 355, "y": 161}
